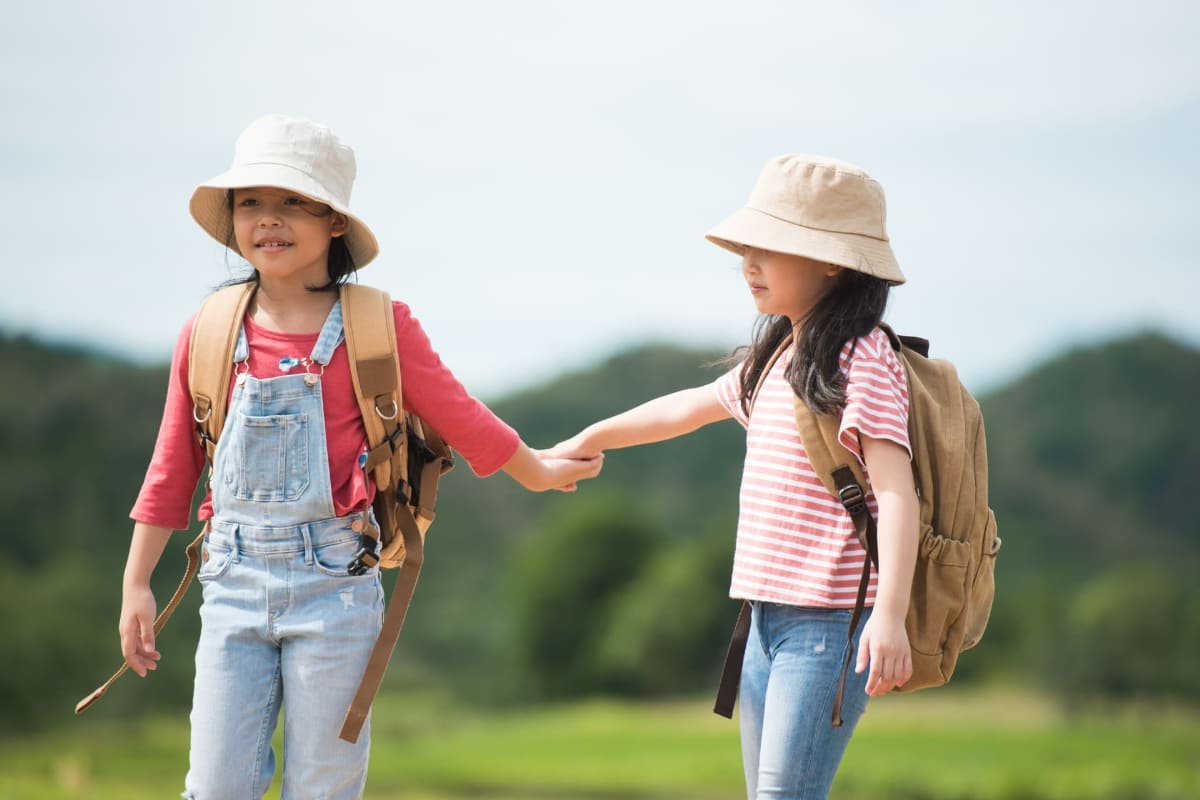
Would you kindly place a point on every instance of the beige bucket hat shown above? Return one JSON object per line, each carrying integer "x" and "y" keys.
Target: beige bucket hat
{"x": 815, "y": 207}
{"x": 293, "y": 154}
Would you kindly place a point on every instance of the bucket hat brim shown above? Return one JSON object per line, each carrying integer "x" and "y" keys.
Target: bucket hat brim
{"x": 210, "y": 205}
{"x": 749, "y": 227}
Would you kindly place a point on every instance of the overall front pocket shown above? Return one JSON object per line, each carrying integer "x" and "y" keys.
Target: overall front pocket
{"x": 215, "y": 558}
{"x": 334, "y": 558}
{"x": 272, "y": 463}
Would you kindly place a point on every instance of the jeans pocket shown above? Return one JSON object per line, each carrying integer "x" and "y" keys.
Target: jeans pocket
{"x": 273, "y": 462}
{"x": 334, "y": 558}
{"x": 215, "y": 558}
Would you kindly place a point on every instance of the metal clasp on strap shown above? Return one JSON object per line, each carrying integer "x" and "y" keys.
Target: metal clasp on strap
{"x": 366, "y": 557}
{"x": 313, "y": 378}
{"x": 196, "y": 412}
{"x": 395, "y": 412}
{"x": 853, "y": 499}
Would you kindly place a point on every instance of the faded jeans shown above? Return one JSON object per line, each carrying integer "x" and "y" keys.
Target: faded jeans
{"x": 282, "y": 622}
{"x": 790, "y": 675}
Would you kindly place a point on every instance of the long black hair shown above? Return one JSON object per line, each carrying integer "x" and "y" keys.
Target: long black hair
{"x": 340, "y": 265}
{"x": 852, "y": 308}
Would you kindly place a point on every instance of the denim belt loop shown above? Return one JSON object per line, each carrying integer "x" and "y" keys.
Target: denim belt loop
{"x": 306, "y": 533}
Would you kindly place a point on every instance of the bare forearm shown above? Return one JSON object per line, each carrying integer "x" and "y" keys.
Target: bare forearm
{"x": 145, "y": 549}
{"x": 898, "y": 518}
{"x": 654, "y": 421}
{"x": 538, "y": 473}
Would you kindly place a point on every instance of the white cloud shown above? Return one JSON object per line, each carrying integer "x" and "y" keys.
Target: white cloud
{"x": 540, "y": 174}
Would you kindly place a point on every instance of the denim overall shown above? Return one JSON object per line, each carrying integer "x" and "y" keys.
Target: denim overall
{"x": 282, "y": 620}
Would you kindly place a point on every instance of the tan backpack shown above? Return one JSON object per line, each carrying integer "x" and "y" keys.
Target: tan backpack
{"x": 954, "y": 579}
{"x": 405, "y": 455}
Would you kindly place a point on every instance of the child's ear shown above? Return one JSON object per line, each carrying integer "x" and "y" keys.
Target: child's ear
{"x": 341, "y": 224}
{"x": 831, "y": 270}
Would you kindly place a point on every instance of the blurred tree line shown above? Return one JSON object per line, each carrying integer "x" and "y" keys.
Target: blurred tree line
{"x": 622, "y": 587}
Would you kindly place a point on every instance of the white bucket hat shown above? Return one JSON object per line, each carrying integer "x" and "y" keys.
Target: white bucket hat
{"x": 815, "y": 207}
{"x": 286, "y": 153}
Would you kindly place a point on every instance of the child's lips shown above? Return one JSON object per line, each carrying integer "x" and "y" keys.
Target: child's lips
{"x": 272, "y": 244}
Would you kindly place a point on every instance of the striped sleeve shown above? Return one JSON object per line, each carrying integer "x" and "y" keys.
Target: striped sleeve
{"x": 876, "y": 395}
{"x": 729, "y": 387}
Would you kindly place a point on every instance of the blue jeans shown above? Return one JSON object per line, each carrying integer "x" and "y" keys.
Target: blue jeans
{"x": 282, "y": 622}
{"x": 790, "y": 675}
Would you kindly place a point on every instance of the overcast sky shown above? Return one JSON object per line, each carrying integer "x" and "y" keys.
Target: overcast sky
{"x": 540, "y": 175}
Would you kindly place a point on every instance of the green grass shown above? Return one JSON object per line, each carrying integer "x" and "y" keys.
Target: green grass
{"x": 944, "y": 745}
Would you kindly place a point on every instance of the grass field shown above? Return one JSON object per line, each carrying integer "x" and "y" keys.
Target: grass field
{"x": 951, "y": 745}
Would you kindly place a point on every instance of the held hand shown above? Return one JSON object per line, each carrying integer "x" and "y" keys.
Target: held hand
{"x": 562, "y": 473}
{"x": 884, "y": 645}
{"x": 137, "y": 630}
{"x": 571, "y": 448}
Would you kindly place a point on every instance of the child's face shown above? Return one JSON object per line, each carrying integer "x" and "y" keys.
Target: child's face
{"x": 784, "y": 284}
{"x": 285, "y": 235}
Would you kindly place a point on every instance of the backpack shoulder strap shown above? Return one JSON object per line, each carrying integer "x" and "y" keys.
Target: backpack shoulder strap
{"x": 766, "y": 370}
{"x": 210, "y": 358}
{"x": 375, "y": 370}
{"x": 842, "y": 476}
{"x": 825, "y": 451}
{"x": 836, "y": 466}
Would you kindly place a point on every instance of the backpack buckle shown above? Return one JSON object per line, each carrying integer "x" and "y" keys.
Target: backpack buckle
{"x": 365, "y": 558}
{"x": 853, "y": 498}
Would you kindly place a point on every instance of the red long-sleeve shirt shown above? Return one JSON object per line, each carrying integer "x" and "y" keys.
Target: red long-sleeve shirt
{"x": 430, "y": 390}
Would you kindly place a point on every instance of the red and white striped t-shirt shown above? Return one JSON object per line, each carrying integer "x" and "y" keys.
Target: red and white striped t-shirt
{"x": 795, "y": 543}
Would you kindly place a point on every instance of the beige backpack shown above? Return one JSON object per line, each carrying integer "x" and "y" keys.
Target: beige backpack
{"x": 405, "y": 455}
{"x": 954, "y": 579}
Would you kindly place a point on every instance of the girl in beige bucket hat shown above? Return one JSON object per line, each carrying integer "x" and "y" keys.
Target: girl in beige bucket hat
{"x": 283, "y": 621}
{"x": 818, "y": 265}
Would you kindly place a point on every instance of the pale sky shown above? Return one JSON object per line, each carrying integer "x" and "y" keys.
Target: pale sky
{"x": 540, "y": 175}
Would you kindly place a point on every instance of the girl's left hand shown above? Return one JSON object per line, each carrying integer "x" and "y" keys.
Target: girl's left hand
{"x": 571, "y": 448}
{"x": 884, "y": 645}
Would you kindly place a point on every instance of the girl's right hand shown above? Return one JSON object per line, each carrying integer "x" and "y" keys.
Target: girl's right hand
{"x": 563, "y": 473}
{"x": 137, "y": 629}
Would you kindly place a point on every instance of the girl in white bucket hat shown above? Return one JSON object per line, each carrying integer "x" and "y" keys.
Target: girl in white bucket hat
{"x": 284, "y": 621}
{"x": 818, "y": 264}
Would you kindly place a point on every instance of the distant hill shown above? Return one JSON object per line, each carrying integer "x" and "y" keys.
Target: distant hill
{"x": 1094, "y": 458}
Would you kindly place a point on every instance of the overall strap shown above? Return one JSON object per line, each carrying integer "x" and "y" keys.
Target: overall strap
{"x": 331, "y": 336}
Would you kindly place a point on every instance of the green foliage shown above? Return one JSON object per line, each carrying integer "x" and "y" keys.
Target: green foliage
{"x": 1134, "y": 632}
{"x": 668, "y": 630}
{"x": 567, "y": 577}
{"x": 1094, "y": 457}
